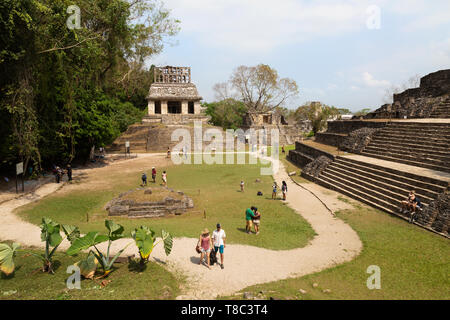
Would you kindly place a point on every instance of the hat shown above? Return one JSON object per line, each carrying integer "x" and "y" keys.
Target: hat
{"x": 153, "y": 167}
{"x": 205, "y": 231}
{"x": 218, "y": 225}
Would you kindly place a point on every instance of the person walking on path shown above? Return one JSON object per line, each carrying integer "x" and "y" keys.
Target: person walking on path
{"x": 257, "y": 220}
{"x": 69, "y": 172}
{"x": 153, "y": 174}
{"x": 242, "y": 185}
{"x": 164, "y": 178}
{"x": 205, "y": 244}
{"x": 144, "y": 179}
{"x": 219, "y": 237}
{"x": 284, "y": 189}
{"x": 274, "y": 190}
{"x": 249, "y": 215}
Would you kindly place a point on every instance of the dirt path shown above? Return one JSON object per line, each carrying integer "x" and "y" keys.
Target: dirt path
{"x": 335, "y": 243}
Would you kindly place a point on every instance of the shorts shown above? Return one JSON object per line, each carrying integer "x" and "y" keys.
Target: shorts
{"x": 203, "y": 250}
{"x": 256, "y": 222}
{"x": 219, "y": 249}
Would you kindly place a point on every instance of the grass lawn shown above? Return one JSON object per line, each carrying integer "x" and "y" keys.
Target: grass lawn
{"x": 28, "y": 282}
{"x": 214, "y": 189}
{"x": 414, "y": 263}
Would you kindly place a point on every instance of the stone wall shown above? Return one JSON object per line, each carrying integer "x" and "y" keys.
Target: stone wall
{"x": 329, "y": 138}
{"x": 417, "y": 102}
{"x": 304, "y": 154}
{"x": 315, "y": 168}
{"x": 437, "y": 214}
{"x": 347, "y": 126}
{"x": 357, "y": 140}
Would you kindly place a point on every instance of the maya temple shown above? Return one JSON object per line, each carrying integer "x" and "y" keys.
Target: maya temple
{"x": 173, "y": 98}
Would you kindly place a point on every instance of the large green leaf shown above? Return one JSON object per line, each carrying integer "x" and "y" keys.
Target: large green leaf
{"x": 71, "y": 232}
{"x": 144, "y": 239}
{"x": 83, "y": 243}
{"x": 7, "y": 254}
{"x": 88, "y": 266}
{"x": 115, "y": 230}
{"x": 168, "y": 242}
{"x": 50, "y": 232}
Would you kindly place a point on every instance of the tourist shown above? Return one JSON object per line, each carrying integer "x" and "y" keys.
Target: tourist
{"x": 168, "y": 152}
{"x": 282, "y": 149}
{"x": 69, "y": 172}
{"x": 257, "y": 220}
{"x": 416, "y": 204}
{"x": 164, "y": 178}
{"x": 249, "y": 215}
{"x": 144, "y": 179}
{"x": 284, "y": 189}
{"x": 154, "y": 174}
{"x": 407, "y": 204}
{"x": 205, "y": 244}
{"x": 274, "y": 190}
{"x": 59, "y": 174}
{"x": 242, "y": 185}
{"x": 219, "y": 237}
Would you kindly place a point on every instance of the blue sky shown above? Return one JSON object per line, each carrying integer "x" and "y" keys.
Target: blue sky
{"x": 325, "y": 46}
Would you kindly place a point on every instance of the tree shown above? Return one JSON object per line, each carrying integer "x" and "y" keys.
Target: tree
{"x": 362, "y": 112}
{"x": 317, "y": 113}
{"x": 227, "y": 113}
{"x": 260, "y": 88}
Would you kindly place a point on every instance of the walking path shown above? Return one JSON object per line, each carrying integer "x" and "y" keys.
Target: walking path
{"x": 335, "y": 243}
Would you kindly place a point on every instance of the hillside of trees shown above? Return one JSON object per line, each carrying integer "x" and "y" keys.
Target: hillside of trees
{"x": 66, "y": 87}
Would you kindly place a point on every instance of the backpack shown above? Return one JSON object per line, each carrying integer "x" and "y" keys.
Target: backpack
{"x": 259, "y": 193}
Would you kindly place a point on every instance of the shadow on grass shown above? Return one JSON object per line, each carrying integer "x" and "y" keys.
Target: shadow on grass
{"x": 136, "y": 266}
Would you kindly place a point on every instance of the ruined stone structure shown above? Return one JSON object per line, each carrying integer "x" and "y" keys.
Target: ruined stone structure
{"x": 173, "y": 98}
{"x": 430, "y": 100}
{"x": 268, "y": 120}
{"x": 174, "y": 203}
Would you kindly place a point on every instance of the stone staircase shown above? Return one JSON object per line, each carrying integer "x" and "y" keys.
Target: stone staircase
{"x": 425, "y": 145}
{"x": 441, "y": 110}
{"x": 378, "y": 186}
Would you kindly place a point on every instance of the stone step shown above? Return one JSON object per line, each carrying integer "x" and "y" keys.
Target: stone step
{"x": 404, "y": 143}
{"x": 413, "y": 138}
{"x": 416, "y": 153}
{"x": 424, "y": 129}
{"x": 368, "y": 188}
{"x": 398, "y": 184}
{"x": 392, "y": 176}
{"x": 393, "y": 173}
{"x": 415, "y": 133}
{"x": 402, "y": 159}
{"x": 412, "y": 156}
{"x": 360, "y": 195}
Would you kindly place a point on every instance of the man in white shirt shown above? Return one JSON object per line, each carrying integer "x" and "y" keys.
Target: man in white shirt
{"x": 219, "y": 237}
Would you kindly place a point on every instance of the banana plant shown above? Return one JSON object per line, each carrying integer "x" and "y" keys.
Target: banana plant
{"x": 92, "y": 239}
{"x": 51, "y": 235}
{"x": 145, "y": 240}
{"x": 7, "y": 255}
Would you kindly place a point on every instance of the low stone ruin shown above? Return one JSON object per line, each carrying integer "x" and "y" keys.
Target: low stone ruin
{"x": 357, "y": 140}
{"x": 316, "y": 167}
{"x": 437, "y": 214}
{"x": 149, "y": 203}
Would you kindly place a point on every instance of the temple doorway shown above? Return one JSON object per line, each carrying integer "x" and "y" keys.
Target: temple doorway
{"x": 174, "y": 106}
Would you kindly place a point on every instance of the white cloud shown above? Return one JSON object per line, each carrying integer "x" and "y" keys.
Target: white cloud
{"x": 254, "y": 25}
{"x": 370, "y": 81}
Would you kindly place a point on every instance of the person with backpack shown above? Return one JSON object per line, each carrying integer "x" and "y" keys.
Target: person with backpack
{"x": 205, "y": 245}
{"x": 284, "y": 190}
{"x": 219, "y": 237}
{"x": 144, "y": 179}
